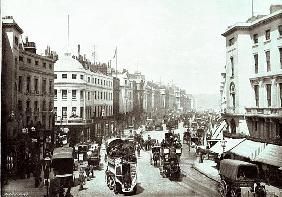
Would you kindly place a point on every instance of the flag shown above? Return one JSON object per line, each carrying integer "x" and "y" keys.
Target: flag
{"x": 115, "y": 53}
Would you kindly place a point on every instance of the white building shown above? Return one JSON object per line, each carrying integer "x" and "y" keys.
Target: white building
{"x": 253, "y": 79}
{"x": 80, "y": 94}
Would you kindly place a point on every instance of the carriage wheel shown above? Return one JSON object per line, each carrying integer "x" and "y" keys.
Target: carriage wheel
{"x": 222, "y": 188}
{"x": 235, "y": 192}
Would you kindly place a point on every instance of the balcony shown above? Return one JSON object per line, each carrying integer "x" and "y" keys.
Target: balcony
{"x": 265, "y": 112}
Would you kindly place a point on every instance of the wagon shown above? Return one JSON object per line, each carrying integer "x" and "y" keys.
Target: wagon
{"x": 236, "y": 174}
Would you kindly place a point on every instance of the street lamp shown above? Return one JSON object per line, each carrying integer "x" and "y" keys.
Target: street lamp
{"x": 47, "y": 162}
{"x": 223, "y": 145}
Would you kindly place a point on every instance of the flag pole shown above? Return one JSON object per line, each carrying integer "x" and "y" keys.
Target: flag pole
{"x": 116, "y": 62}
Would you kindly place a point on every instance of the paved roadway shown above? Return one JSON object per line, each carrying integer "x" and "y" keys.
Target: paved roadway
{"x": 151, "y": 183}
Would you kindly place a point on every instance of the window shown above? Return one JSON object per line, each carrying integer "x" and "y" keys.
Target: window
{"x": 55, "y": 76}
{"x": 50, "y": 105}
{"x": 44, "y": 86}
{"x": 73, "y": 93}
{"x": 268, "y": 94}
{"x": 232, "y": 66}
{"x": 73, "y": 111}
{"x": 44, "y": 64}
{"x": 95, "y": 95}
{"x": 81, "y": 77}
{"x": 125, "y": 81}
{"x": 267, "y": 57}
{"x": 280, "y": 88}
{"x": 44, "y": 105}
{"x": 16, "y": 41}
{"x": 280, "y": 30}
{"x": 267, "y": 34}
{"x": 231, "y": 41}
{"x": 88, "y": 96}
{"x": 29, "y": 60}
{"x": 98, "y": 81}
{"x": 64, "y": 112}
{"x": 280, "y": 51}
{"x": 81, "y": 112}
{"x": 101, "y": 96}
{"x": 50, "y": 66}
{"x": 256, "y": 88}
{"x": 36, "y": 62}
{"x": 55, "y": 112}
{"x": 73, "y": 76}
{"x": 55, "y": 94}
{"x": 36, "y": 85}
{"x": 64, "y": 76}
{"x": 50, "y": 86}
{"x": 20, "y": 84}
{"x": 28, "y": 84}
{"x": 95, "y": 80}
{"x": 64, "y": 94}
{"x": 255, "y": 38}
{"x": 21, "y": 58}
{"x": 88, "y": 80}
{"x": 81, "y": 95}
{"x": 104, "y": 82}
{"x": 256, "y": 63}
{"x": 20, "y": 105}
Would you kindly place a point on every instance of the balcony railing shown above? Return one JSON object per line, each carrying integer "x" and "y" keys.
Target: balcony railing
{"x": 271, "y": 111}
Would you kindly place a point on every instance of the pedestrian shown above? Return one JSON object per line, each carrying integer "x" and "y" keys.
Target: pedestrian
{"x": 92, "y": 170}
{"x": 81, "y": 179}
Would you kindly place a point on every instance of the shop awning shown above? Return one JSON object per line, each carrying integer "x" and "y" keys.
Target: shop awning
{"x": 248, "y": 148}
{"x": 272, "y": 155}
{"x": 230, "y": 143}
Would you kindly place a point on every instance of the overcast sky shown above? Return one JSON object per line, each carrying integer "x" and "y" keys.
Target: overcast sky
{"x": 167, "y": 40}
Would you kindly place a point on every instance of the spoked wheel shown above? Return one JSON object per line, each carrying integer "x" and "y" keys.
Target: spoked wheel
{"x": 111, "y": 183}
{"x": 223, "y": 188}
{"x": 235, "y": 192}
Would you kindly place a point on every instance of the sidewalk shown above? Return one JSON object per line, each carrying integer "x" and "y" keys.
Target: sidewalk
{"x": 208, "y": 168}
{"x": 23, "y": 187}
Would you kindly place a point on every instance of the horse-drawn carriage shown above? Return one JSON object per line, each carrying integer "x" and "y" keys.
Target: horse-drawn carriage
{"x": 237, "y": 175}
{"x": 94, "y": 158}
{"x": 171, "y": 151}
{"x": 155, "y": 155}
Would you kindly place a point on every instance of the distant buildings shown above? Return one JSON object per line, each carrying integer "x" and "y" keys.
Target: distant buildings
{"x": 27, "y": 97}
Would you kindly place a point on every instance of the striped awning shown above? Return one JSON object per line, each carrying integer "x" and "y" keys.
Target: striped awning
{"x": 272, "y": 155}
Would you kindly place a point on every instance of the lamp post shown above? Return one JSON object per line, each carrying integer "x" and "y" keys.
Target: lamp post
{"x": 223, "y": 145}
{"x": 47, "y": 162}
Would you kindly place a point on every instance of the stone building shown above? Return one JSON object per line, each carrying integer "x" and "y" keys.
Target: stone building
{"x": 83, "y": 99}
{"x": 27, "y": 97}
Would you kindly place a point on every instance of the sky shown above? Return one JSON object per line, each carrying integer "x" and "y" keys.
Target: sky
{"x": 172, "y": 41}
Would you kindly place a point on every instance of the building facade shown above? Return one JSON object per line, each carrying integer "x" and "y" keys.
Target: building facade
{"x": 27, "y": 97}
{"x": 82, "y": 97}
{"x": 252, "y": 92}
{"x": 257, "y": 44}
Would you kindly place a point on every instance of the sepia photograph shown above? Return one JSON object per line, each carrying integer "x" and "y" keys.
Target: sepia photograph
{"x": 149, "y": 98}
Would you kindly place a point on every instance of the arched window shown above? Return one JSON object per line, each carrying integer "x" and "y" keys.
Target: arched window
{"x": 232, "y": 93}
